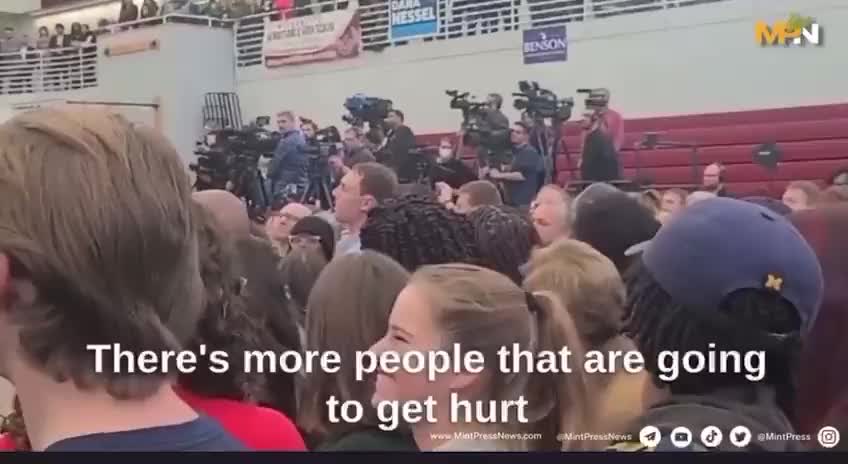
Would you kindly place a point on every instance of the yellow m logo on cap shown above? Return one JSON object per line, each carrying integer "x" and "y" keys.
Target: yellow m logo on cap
{"x": 774, "y": 282}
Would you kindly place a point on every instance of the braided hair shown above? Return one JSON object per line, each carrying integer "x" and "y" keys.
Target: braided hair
{"x": 416, "y": 231}
{"x": 747, "y": 320}
{"x": 505, "y": 238}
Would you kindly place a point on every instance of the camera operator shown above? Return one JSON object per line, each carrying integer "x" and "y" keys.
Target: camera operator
{"x": 355, "y": 151}
{"x": 398, "y": 143}
{"x": 526, "y": 174}
{"x": 603, "y": 134}
{"x": 287, "y": 172}
{"x": 497, "y": 125}
{"x": 309, "y": 129}
{"x": 602, "y": 117}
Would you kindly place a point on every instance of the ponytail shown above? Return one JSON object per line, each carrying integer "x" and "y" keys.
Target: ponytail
{"x": 561, "y": 398}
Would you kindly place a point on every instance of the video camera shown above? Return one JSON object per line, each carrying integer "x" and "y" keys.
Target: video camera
{"x": 542, "y": 103}
{"x": 362, "y": 109}
{"x": 476, "y": 127}
{"x": 320, "y": 148}
{"x": 229, "y": 158}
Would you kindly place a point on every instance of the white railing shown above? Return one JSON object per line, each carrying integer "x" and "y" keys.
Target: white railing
{"x": 457, "y": 18}
{"x": 58, "y": 69}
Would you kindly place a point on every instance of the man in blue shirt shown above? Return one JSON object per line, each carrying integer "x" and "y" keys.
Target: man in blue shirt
{"x": 527, "y": 172}
{"x": 287, "y": 173}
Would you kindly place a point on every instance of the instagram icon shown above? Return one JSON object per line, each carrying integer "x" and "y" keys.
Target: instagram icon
{"x": 828, "y": 437}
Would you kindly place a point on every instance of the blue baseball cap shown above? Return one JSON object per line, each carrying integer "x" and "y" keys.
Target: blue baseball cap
{"x": 718, "y": 246}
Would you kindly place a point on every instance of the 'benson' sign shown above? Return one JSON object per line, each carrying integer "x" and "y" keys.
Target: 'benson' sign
{"x": 413, "y": 18}
{"x": 545, "y": 44}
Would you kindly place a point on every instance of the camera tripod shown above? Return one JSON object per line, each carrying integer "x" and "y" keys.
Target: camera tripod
{"x": 318, "y": 191}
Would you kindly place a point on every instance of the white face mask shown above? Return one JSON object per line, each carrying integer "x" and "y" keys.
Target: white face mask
{"x": 445, "y": 153}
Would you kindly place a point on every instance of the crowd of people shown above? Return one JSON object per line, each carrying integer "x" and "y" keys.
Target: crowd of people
{"x": 103, "y": 243}
{"x": 62, "y": 60}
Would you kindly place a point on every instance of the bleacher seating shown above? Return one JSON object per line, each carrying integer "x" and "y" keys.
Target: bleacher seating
{"x": 813, "y": 141}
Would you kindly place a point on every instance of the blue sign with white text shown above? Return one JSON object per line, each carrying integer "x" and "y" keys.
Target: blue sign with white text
{"x": 545, "y": 44}
{"x": 413, "y": 18}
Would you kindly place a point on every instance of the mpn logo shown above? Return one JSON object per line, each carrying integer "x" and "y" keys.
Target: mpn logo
{"x": 797, "y": 30}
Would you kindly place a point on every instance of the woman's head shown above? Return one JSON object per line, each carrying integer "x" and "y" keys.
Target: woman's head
{"x": 76, "y": 28}
{"x": 299, "y": 271}
{"x": 347, "y": 311}
{"x": 550, "y": 213}
{"x": 505, "y": 238}
{"x": 586, "y": 282}
{"x": 313, "y": 233}
{"x": 43, "y": 32}
{"x": 481, "y": 310}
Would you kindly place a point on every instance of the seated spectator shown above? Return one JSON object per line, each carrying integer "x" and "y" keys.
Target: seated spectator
{"x": 416, "y": 232}
{"x": 612, "y": 222}
{"x": 550, "y": 213}
{"x": 476, "y": 194}
{"x": 713, "y": 180}
{"x": 592, "y": 292}
{"x": 299, "y": 271}
{"x": 125, "y": 264}
{"x": 696, "y": 197}
{"x": 823, "y": 382}
{"x": 505, "y": 238}
{"x": 129, "y": 12}
{"x": 226, "y": 326}
{"x": 362, "y": 189}
{"x": 348, "y": 311}
{"x": 674, "y": 200}
{"x": 721, "y": 306}
{"x": 279, "y": 225}
{"x": 464, "y": 307}
{"x": 449, "y": 168}
{"x": 801, "y": 195}
{"x": 314, "y": 233}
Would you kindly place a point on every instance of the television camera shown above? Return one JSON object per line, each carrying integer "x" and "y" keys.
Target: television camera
{"x": 476, "y": 128}
{"x": 319, "y": 150}
{"x": 228, "y": 159}
{"x": 362, "y": 109}
{"x": 541, "y": 103}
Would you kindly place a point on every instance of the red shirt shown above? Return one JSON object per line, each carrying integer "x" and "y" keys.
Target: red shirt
{"x": 259, "y": 428}
{"x": 6, "y": 443}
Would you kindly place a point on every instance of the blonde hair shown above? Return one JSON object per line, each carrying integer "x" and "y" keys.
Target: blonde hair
{"x": 97, "y": 221}
{"x": 482, "y": 310}
{"x": 348, "y": 311}
{"x": 586, "y": 282}
{"x": 591, "y": 290}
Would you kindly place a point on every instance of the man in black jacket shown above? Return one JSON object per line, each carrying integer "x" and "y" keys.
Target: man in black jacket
{"x": 399, "y": 142}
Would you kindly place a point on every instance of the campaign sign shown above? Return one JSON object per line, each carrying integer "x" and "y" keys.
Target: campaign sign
{"x": 545, "y": 44}
{"x": 413, "y": 18}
